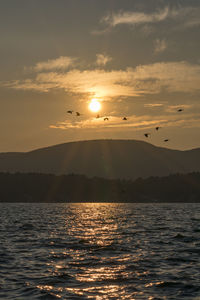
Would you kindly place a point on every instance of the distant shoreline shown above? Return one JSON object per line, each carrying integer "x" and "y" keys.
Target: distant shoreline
{"x": 72, "y": 188}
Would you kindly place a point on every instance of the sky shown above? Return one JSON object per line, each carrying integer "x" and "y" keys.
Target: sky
{"x": 138, "y": 58}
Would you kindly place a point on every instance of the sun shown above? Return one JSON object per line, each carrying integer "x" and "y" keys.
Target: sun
{"x": 94, "y": 105}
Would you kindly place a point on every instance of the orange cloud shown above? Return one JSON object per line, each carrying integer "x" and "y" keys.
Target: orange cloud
{"x": 144, "y": 79}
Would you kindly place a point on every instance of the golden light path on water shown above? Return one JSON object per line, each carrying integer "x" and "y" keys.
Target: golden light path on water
{"x": 112, "y": 251}
{"x": 97, "y": 228}
{"x": 99, "y": 231}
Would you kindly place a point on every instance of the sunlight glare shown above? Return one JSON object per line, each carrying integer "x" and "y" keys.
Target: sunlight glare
{"x": 94, "y": 105}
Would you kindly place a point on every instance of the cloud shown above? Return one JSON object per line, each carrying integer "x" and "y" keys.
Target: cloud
{"x": 102, "y": 59}
{"x": 189, "y": 17}
{"x": 135, "y": 18}
{"x": 134, "y": 122}
{"x": 151, "y": 105}
{"x": 174, "y": 108}
{"x": 181, "y": 16}
{"x": 29, "y": 84}
{"x": 171, "y": 76}
{"x": 144, "y": 79}
{"x": 96, "y": 82}
{"x": 192, "y": 23}
{"x": 137, "y": 122}
{"x": 160, "y": 46}
{"x": 61, "y": 63}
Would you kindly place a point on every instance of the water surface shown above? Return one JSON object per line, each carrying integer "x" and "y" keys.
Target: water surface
{"x": 99, "y": 251}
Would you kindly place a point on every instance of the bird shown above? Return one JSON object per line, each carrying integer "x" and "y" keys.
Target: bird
{"x": 78, "y": 114}
{"x": 98, "y": 116}
{"x": 180, "y": 109}
{"x": 106, "y": 119}
{"x": 157, "y": 127}
{"x": 166, "y": 140}
{"x": 70, "y": 111}
{"x": 124, "y": 118}
{"x": 146, "y": 135}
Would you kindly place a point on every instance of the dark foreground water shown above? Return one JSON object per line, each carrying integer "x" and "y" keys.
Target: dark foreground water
{"x": 99, "y": 251}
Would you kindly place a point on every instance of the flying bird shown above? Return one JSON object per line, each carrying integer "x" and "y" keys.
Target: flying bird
{"x": 125, "y": 119}
{"x": 157, "y": 127}
{"x": 106, "y": 119}
{"x": 147, "y": 135}
{"x": 78, "y": 114}
{"x": 70, "y": 111}
{"x": 180, "y": 109}
{"x": 166, "y": 140}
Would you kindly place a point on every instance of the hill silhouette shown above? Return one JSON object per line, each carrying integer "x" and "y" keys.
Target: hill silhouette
{"x": 123, "y": 159}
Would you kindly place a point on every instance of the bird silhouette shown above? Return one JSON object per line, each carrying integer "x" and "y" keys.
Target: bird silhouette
{"x": 106, "y": 119}
{"x": 147, "y": 135}
{"x": 70, "y": 111}
{"x": 166, "y": 140}
{"x": 157, "y": 127}
{"x": 180, "y": 109}
{"x": 124, "y": 118}
{"x": 78, "y": 114}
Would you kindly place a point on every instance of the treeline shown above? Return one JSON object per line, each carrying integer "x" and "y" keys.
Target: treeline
{"x": 21, "y": 187}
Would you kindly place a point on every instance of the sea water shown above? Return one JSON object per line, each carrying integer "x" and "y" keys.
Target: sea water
{"x": 99, "y": 251}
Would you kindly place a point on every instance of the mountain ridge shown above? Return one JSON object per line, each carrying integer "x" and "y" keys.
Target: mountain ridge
{"x": 125, "y": 159}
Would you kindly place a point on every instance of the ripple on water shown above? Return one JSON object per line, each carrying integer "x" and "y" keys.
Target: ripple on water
{"x": 99, "y": 251}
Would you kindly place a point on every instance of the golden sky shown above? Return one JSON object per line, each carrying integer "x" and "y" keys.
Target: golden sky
{"x": 138, "y": 59}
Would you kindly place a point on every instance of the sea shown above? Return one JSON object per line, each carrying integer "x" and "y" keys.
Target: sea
{"x": 99, "y": 251}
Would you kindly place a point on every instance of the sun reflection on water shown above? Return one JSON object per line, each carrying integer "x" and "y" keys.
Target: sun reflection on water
{"x": 95, "y": 224}
{"x": 94, "y": 261}
{"x": 106, "y": 251}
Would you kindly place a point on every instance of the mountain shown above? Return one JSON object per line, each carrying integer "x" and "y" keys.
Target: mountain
{"x": 125, "y": 159}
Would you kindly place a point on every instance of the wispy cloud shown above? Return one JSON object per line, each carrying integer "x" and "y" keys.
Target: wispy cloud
{"x": 60, "y": 63}
{"x": 181, "y": 16}
{"x": 152, "y": 105}
{"x": 160, "y": 45}
{"x": 189, "y": 17}
{"x": 174, "y": 108}
{"x": 135, "y": 18}
{"x": 137, "y": 122}
{"x": 144, "y": 79}
{"x": 134, "y": 122}
{"x": 102, "y": 59}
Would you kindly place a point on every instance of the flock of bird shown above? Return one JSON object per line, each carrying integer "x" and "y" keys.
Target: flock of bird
{"x": 71, "y": 111}
{"x": 78, "y": 114}
{"x": 157, "y": 128}
{"x": 97, "y": 117}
